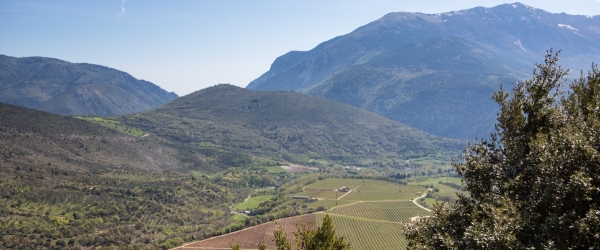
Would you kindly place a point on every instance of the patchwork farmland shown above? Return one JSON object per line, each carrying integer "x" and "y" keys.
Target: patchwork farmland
{"x": 370, "y": 215}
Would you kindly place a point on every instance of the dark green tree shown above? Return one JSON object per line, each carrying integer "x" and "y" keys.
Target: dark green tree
{"x": 323, "y": 238}
{"x": 536, "y": 183}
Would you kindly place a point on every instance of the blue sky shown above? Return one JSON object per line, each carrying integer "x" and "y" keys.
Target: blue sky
{"x": 184, "y": 46}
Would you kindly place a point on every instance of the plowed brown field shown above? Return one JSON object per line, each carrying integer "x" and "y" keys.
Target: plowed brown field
{"x": 249, "y": 238}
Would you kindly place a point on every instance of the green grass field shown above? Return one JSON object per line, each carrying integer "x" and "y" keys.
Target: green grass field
{"x": 448, "y": 191}
{"x": 335, "y": 183}
{"x": 364, "y": 190}
{"x": 276, "y": 170}
{"x": 252, "y": 202}
{"x": 116, "y": 125}
{"x": 444, "y": 189}
{"x": 430, "y": 201}
{"x": 375, "y": 190}
{"x": 320, "y": 193}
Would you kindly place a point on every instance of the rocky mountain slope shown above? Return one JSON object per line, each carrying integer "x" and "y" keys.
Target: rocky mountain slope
{"x": 436, "y": 72}
{"x": 66, "y": 88}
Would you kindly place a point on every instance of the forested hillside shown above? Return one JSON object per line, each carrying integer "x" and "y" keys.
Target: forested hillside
{"x": 69, "y": 183}
{"x": 290, "y": 126}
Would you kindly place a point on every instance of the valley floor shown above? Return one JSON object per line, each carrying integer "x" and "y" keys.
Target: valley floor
{"x": 370, "y": 216}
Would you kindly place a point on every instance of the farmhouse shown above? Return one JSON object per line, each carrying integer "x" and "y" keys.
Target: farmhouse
{"x": 351, "y": 168}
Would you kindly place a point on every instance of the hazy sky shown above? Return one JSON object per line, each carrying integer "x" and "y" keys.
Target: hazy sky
{"x": 184, "y": 46}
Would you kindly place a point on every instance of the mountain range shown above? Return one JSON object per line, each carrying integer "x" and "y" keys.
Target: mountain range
{"x": 436, "y": 72}
{"x": 66, "y": 88}
{"x": 163, "y": 169}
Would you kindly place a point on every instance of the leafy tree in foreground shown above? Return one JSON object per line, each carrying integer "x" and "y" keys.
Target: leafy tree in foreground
{"x": 536, "y": 183}
{"x": 323, "y": 238}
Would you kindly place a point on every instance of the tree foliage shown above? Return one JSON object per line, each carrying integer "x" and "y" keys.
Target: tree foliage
{"x": 536, "y": 182}
{"x": 321, "y": 238}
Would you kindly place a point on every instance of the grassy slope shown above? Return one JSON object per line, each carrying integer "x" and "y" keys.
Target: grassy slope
{"x": 114, "y": 125}
{"x": 293, "y": 126}
{"x": 252, "y": 202}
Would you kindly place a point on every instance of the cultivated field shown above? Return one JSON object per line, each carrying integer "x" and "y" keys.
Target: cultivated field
{"x": 251, "y": 202}
{"x": 249, "y": 238}
{"x": 335, "y": 183}
{"x": 319, "y": 193}
{"x": 399, "y": 211}
{"x": 368, "y": 234}
{"x": 369, "y": 217}
{"x": 326, "y": 189}
{"x": 375, "y": 190}
{"x": 327, "y": 204}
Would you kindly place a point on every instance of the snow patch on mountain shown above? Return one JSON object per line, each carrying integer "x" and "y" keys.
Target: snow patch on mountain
{"x": 567, "y": 26}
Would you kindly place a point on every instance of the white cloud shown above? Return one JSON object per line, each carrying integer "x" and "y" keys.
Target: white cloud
{"x": 123, "y": 11}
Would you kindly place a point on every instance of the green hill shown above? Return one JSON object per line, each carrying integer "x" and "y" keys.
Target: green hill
{"x": 289, "y": 126}
{"x": 70, "y": 142}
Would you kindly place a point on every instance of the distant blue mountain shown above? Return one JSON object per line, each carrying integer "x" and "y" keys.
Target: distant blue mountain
{"x": 66, "y": 88}
{"x": 437, "y": 72}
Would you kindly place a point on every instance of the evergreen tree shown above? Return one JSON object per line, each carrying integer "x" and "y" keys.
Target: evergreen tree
{"x": 536, "y": 182}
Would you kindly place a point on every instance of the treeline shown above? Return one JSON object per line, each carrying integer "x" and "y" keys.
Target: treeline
{"x": 423, "y": 172}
